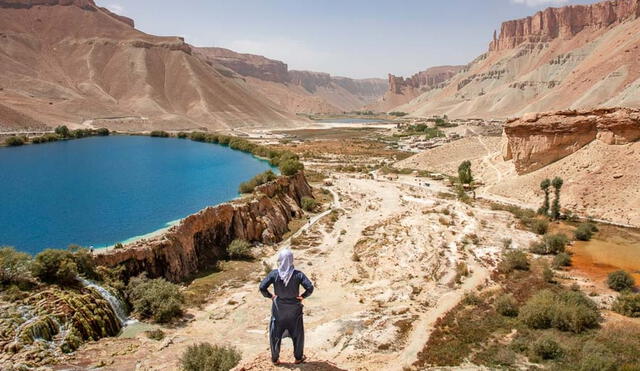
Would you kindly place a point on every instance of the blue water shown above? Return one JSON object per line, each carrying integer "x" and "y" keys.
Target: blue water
{"x": 103, "y": 190}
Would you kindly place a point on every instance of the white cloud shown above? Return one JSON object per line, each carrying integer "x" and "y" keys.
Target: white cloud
{"x": 536, "y": 3}
{"x": 116, "y": 8}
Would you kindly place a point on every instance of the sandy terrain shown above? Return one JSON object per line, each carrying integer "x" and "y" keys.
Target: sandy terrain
{"x": 384, "y": 272}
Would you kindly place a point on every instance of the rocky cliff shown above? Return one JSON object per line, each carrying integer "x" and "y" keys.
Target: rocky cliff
{"x": 83, "y": 4}
{"x": 297, "y": 91}
{"x": 423, "y": 80}
{"x": 575, "y": 57}
{"x": 537, "y": 140}
{"x": 201, "y": 239}
{"x": 564, "y": 23}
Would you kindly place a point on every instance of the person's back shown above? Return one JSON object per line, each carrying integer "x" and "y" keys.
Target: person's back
{"x": 286, "y": 310}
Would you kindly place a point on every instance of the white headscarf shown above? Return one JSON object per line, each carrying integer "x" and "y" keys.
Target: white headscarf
{"x": 285, "y": 265}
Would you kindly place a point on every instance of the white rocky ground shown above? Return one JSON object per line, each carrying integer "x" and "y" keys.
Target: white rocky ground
{"x": 384, "y": 272}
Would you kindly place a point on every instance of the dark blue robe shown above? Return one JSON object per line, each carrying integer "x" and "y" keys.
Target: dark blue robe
{"x": 286, "y": 311}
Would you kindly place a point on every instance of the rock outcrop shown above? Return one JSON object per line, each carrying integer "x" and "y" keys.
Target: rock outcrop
{"x": 423, "y": 80}
{"x": 536, "y": 140}
{"x": 297, "y": 91}
{"x": 83, "y": 4}
{"x": 563, "y": 22}
{"x": 202, "y": 238}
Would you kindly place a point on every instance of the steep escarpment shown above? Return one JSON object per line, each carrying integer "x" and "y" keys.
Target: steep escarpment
{"x": 201, "y": 239}
{"x": 575, "y": 57}
{"x": 402, "y": 90}
{"x": 298, "y": 91}
{"x": 72, "y": 62}
{"x": 537, "y": 140}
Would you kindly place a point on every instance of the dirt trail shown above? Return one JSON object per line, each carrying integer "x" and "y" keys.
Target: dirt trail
{"x": 384, "y": 272}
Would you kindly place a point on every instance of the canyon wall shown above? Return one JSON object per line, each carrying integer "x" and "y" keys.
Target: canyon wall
{"x": 247, "y": 64}
{"x": 537, "y": 140}
{"x": 425, "y": 80}
{"x": 563, "y": 22}
{"x": 202, "y": 238}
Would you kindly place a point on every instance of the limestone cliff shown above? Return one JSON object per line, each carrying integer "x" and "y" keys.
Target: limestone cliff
{"x": 563, "y": 22}
{"x": 201, "y": 239}
{"x": 536, "y": 140}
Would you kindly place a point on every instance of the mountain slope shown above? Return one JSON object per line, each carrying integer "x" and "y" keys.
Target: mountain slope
{"x": 577, "y": 57}
{"x": 70, "y": 61}
{"x": 298, "y": 91}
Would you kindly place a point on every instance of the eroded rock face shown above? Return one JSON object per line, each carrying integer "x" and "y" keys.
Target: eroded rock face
{"x": 247, "y": 64}
{"x": 84, "y": 4}
{"x": 536, "y": 140}
{"x": 563, "y": 22}
{"x": 425, "y": 80}
{"x": 201, "y": 239}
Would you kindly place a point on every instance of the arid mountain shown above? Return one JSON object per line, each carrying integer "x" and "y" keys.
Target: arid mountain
{"x": 577, "y": 57}
{"x": 403, "y": 90}
{"x": 298, "y": 91}
{"x": 72, "y": 62}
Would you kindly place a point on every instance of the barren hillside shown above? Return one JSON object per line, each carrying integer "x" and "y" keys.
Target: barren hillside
{"x": 579, "y": 57}
{"x": 73, "y": 62}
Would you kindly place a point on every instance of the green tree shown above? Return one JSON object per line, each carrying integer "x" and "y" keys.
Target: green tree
{"x": 14, "y": 265}
{"x": 14, "y": 141}
{"x": 55, "y": 266}
{"x": 291, "y": 167}
{"x": 63, "y": 131}
{"x": 464, "y": 172}
{"x": 555, "y": 208}
{"x": 544, "y": 209}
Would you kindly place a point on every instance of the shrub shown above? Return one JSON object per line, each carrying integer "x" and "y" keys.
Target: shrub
{"x": 198, "y": 136}
{"x": 547, "y": 348}
{"x": 566, "y": 311}
{"x": 627, "y": 304}
{"x": 55, "y": 266}
{"x": 14, "y": 265}
{"x": 156, "y": 334}
{"x": 291, "y": 167}
{"x": 14, "y": 141}
{"x": 551, "y": 244}
{"x": 157, "y": 299}
{"x": 182, "y": 135}
{"x": 512, "y": 260}
{"x": 159, "y": 133}
{"x": 539, "y": 226}
{"x": 620, "y": 281}
{"x": 309, "y": 204}
{"x": 239, "y": 249}
{"x": 471, "y": 298}
{"x": 547, "y": 273}
{"x": 103, "y": 132}
{"x": 63, "y": 131}
{"x": 507, "y": 305}
{"x": 585, "y": 231}
{"x": 207, "y": 357}
{"x": 250, "y": 185}
{"x": 562, "y": 260}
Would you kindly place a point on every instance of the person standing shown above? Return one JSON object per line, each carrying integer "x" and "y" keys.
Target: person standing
{"x": 286, "y": 307}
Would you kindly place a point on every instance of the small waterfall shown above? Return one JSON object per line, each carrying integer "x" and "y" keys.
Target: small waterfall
{"x": 116, "y": 304}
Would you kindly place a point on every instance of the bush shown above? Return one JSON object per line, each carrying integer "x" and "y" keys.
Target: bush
{"x": 291, "y": 167}
{"x": 585, "y": 231}
{"x": 198, "y": 136}
{"x": 239, "y": 249}
{"x": 562, "y": 260}
{"x": 182, "y": 135}
{"x": 539, "y": 226}
{"x": 207, "y": 357}
{"x": 547, "y": 273}
{"x": 507, "y": 305}
{"x": 15, "y": 266}
{"x": 512, "y": 260}
{"x": 551, "y": 244}
{"x": 103, "y": 132}
{"x": 627, "y": 304}
{"x": 157, "y": 299}
{"x": 309, "y": 204}
{"x": 63, "y": 131}
{"x": 159, "y": 134}
{"x": 547, "y": 348}
{"x": 156, "y": 334}
{"x": 566, "y": 311}
{"x": 250, "y": 185}
{"x": 14, "y": 141}
{"x": 55, "y": 266}
{"x": 620, "y": 281}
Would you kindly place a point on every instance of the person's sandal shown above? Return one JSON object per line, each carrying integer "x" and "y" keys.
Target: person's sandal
{"x": 299, "y": 361}
{"x": 276, "y": 363}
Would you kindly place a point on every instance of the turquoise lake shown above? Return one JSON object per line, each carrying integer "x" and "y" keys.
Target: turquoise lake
{"x": 102, "y": 190}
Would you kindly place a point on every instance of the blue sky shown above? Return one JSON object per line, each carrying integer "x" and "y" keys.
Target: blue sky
{"x": 354, "y": 38}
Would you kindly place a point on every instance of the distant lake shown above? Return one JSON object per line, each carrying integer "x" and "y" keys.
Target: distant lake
{"x": 103, "y": 190}
{"x": 349, "y": 120}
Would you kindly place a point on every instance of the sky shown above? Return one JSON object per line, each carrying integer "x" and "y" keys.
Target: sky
{"x": 352, "y": 38}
